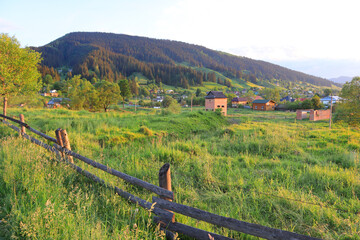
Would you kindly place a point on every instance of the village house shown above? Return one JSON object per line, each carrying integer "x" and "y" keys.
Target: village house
{"x": 327, "y": 100}
{"x": 235, "y": 102}
{"x": 288, "y": 99}
{"x": 301, "y": 99}
{"x": 52, "y": 93}
{"x": 263, "y": 105}
{"x": 158, "y": 99}
{"x": 58, "y": 102}
{"x": 215, "y": 100}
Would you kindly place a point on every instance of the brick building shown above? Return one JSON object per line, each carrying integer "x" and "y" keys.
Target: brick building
{"x": 314, "y": 115}
{"x": 215, "y": 100}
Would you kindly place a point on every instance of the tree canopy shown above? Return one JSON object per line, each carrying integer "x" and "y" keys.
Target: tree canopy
{"x": 349, "y": 109}
{"x": 18, "y": 68}
{"x": 116, "y": 56}
{"x": 108, "y": 93}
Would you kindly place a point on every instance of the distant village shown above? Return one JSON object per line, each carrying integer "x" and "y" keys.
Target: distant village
{"x": 213, "y": 100}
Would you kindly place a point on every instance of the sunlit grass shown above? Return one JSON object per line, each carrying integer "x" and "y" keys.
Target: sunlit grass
{"x": 292, "y": 175}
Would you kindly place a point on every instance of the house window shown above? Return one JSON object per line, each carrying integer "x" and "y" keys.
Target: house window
{"x": 222, "y": 106}
{"x": 255, "y": 107}
{"x": 262, "y": 107}
{"x": 218, "y": 105}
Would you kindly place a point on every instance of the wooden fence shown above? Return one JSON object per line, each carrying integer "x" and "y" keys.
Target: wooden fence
{"x": 163, "y": 207}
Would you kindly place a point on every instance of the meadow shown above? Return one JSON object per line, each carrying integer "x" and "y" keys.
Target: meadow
{"x": 264, "y": 168}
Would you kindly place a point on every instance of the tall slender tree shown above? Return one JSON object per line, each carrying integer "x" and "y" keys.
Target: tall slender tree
{"x": 125, "y": 90}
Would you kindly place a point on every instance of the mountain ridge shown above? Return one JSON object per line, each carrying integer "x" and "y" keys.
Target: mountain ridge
{"x": 341, "y": 79}
{"x": 115, "y": 56}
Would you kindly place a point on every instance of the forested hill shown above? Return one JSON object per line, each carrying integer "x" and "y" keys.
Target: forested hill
{"x": 115, "y": 56}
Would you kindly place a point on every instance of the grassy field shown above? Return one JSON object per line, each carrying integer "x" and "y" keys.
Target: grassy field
{"x": 259, "y": 167}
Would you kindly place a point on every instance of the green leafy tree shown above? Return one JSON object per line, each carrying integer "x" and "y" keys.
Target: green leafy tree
{"x": 230, "y": 96}
{"x": 125, "y": 90}
{"x": 271, "y": 94}
{"x": 174, "y": 107}
{"x": 327, "y": 92}
{"x": 81, "y": 93}
{"x": 316, "y": 103}
{"x": 145, "y": 92}
{"x": 18, "y": 69}
{"x": 48, "y": 80}
{"x": 167, "y": 101}
{"x": 134, "y": 87}
{"x": 306, "y": 104}
{"x": 249, "y": 95}
{"x": 349, "y": 108}
{"x": 252, "y": 78}
{"x": 198, "y": 92}
{"x": 108, "y": 93}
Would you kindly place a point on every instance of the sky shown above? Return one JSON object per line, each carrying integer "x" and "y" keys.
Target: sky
{"x": 319, "y": 37}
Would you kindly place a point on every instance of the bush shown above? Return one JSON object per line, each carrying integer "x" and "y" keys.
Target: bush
{"x": 146, "y": 131}
{"x": 174, "y": 107}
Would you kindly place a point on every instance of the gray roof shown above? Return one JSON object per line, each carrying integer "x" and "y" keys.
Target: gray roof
{"x": 57, "y": 100}
{"x": 261, "y": 101}
{"x": 214, "y": 94}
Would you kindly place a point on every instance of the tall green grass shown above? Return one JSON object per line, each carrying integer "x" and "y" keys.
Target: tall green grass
{"x": 292, "y": 175}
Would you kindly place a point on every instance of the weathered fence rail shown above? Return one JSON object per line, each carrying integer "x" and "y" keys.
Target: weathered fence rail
{"x": 162, "y": 207}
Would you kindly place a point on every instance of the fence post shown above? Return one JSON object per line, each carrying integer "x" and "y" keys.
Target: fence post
{"x": 165, "y": 181}
{"x": 59, "y": 139}
{"x": 66, "y": 142}
{"x": 22, "y": 129}
{"x": 5, "y": 106}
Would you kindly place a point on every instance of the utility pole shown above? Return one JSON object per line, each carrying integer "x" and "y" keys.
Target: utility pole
{"x": 191, "y": 101}
{"x": 331, "y": 111}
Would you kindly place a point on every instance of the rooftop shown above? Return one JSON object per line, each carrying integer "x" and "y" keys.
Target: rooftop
{"x": 215, "y": 94}
{"x": 262, "y": 101}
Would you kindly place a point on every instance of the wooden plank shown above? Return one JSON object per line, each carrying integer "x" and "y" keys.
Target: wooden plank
{"x": 130, "y": 179}
{"x": 230, "y": 223}
{"x": 41, "y": 134}
{"x": 151, "y": 187}
{"x": 30, "y": 128}
{"x": 33, "y": 140}
{"x": 166, "y": 215}
{"x": 190, "y": 231}
{"x": 14, "y": 120}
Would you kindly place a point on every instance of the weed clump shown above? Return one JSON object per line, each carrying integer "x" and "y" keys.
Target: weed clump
{"x": 146, "y": 131}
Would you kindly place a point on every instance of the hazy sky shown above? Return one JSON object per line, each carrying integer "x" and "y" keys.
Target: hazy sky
{"x": 279, "y": 31}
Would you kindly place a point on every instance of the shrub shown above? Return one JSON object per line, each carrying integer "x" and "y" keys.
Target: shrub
{"x": 174, "y": 107}
{"x": 146, "y": 131}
